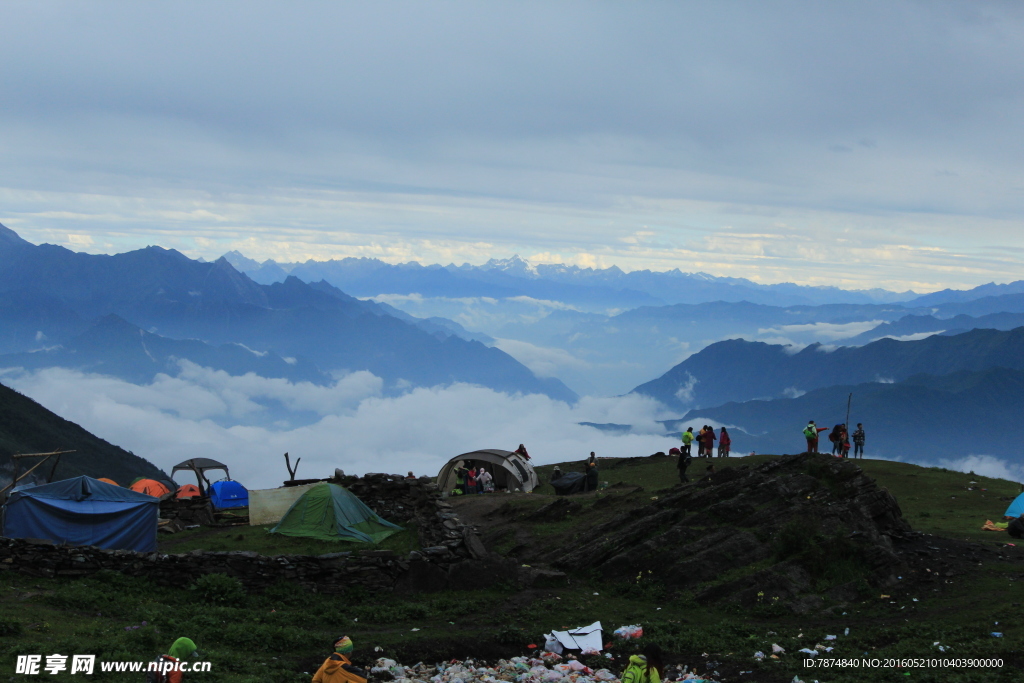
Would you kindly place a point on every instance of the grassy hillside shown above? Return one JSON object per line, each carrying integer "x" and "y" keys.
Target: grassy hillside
{"x": 282, "y": 634}
{"x": 27, "y": 427}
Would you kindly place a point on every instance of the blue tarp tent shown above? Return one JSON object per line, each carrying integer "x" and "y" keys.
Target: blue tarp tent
{"x": 1016, "y": 508}
{"x": 228, "y": 494}
{"x": 84, "y": 511}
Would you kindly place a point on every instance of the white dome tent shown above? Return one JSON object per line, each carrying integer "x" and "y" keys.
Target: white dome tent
{"x": 510, "y": 470}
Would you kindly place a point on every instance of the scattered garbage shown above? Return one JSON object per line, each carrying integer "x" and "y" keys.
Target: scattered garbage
{"x": 627, "y": 632}
{"x": 997, "y": 634}
{"x": 830, "y": 637}
{"x": 759, "y": 655}
{"x": 549, "y": 668}
{"x": 776, "y": 649}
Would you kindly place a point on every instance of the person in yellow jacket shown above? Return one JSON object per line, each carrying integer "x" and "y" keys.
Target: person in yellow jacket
{"x": 687, "y": 441}
{"x": 645, "y": 668}
{"x": 338, "y": 668}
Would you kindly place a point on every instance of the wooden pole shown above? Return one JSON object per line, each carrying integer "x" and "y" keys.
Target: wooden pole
{"x": 40, "y": 455}
{"x": 847, "y": 423}
{"x": 27, "y": 472}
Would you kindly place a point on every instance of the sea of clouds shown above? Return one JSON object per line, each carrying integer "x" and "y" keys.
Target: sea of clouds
{"x": 208, "y": 413}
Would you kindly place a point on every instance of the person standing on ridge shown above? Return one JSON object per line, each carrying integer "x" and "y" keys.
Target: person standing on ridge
{"x": 858, "y": 441}
{"x": 724, "y": 441}
{"x": 591, "y": 473}
{"x": 811, "y": 432}
{"x": 522, "y": 451}
{"x": 684, "y": 463}
{"x": 687, "y": 440}
{"x": 709, "y": 442}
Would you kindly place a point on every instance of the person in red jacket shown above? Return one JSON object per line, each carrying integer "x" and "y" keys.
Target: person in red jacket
{"x": 724, "y": 441}
{"x": 709, "y": 441}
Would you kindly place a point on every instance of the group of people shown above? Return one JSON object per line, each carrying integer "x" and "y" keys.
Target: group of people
{"x": 840, "y": 438}
{"x": 472, "y": 479}
{"x": 706, "y": 442}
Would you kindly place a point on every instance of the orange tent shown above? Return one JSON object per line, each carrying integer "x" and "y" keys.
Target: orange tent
{"x": 109, "y": 481}
{"x": 188, "y": 491}
{"x": 151, "y": 487}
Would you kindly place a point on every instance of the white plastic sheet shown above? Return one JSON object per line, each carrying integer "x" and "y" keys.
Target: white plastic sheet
{"x": 582, "y": 638}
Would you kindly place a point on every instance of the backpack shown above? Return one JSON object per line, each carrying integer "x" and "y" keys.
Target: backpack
{"x": 158, "y": 676}
{"x": 810, "y": 432}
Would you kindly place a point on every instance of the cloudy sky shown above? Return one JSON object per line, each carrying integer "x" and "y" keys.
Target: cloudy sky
{"x": 850, "y": 143}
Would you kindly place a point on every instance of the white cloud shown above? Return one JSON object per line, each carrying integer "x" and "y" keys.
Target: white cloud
{"x": 685, "y": 392}
{"x": 986, "y": 466}
{"x": 359, "y": 431}
{"x": 911, "y": 337}
{"x": 793, "y": 392}
{"x": 827, "y": 331}
{"x": 542, "y": 361}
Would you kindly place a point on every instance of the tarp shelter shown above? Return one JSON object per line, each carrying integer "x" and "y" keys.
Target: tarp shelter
{"x": 188, "y": 491}
{"x": 151, "y": 487}
{"x": 1016, "y": 508}
{"x": 267, "y": 506}
{"x": 333, "y": 513}
{"x": 570, "y": 482}
{"x": 108, "y": 481}
{"x": 510, "y": 470}
{"x": 84, "y": 511}
{"x": 228, "y": 494}
{"x": 200, "y": 466}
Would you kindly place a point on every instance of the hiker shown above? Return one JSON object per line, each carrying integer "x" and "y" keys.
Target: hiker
{"x": 724, "y": 441}
{"x": 833, "y": 436}
{"x": 683, "y": 463}
{"x": 182, "y": 648}
{"x": 709, "y": 441}
{"x": 338, "y": 668}
{"x": 645, "y": 668}
{"x": 687, "y": 440}
{"x": 591, "y": 471}
{"x": 410, "y": 475}
{"x": 460, "y": 477}
{"x": 858, "y": 441}
{"x": 522, "y": 451}
{"x": 556, "y": 473}
{"x": 1016, "y": 527}
{"x": 485, "y": 480}
{"x": 471, "y": 481}
{"x": 811, "y": 432}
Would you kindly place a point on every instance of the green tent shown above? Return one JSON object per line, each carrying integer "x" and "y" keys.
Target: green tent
{"x": 333, "y": 513}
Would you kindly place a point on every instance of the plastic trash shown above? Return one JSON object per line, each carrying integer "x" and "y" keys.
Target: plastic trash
{"x": 846, "y": 632}
{"x": 627, "y": 632}
{"x": 759, "y": 655}
{"x": 997, "y": 634}
{"x": 830, "y": 637}
{"x": 776, "y": 649}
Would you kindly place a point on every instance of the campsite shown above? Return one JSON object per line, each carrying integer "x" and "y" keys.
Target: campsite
{"x": 965, "y": 581}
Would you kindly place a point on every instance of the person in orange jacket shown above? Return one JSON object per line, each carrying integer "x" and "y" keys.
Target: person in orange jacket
{"x": 338, "y": 668}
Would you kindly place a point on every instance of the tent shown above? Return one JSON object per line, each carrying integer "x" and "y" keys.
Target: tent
{"x": 333, "y": 513}
{"x": 151, "y": 487}
{"x": 84, "y": 511}
{"x": 228, "y": 494}
{"x": 1016, "y": 508}
{"x": 200, "y": 466}
{"x": 108, "y": 481}
{"x": 188, "y": 491}
{"x": 510, "y": 470}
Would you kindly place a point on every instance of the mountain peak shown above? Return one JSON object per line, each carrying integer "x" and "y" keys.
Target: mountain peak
{"x": 514, "y": 266}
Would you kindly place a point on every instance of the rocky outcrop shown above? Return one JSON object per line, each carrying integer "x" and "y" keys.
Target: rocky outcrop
{"x": 809, "y": 528}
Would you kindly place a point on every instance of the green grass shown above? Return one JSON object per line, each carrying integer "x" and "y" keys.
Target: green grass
{"x": 281, "y": 635}
{"x": 257, "y": 538}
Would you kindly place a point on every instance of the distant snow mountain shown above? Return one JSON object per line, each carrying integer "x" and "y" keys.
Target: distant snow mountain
{"x": 587, "y": 288}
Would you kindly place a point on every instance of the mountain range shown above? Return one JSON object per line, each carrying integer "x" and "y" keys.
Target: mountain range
{"x": 165, "y": 293}
{"x": 737, "y": 370}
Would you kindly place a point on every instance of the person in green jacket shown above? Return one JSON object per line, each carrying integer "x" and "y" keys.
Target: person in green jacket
{"x": 687, "y": 440}
{"x": 645, "y": 668}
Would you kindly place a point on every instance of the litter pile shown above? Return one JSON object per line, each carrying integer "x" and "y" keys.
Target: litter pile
{"x": 547, "y": 668}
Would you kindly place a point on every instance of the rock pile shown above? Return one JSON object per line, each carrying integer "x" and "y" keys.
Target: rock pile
{"x": 185, "y": 512}
{"x": 820, "y": 524}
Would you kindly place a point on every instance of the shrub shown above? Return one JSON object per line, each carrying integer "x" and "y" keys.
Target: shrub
{"x": 11, "y": 628}
{"x": 219, "y": 588}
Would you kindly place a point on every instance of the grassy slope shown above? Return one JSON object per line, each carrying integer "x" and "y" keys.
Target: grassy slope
{"x": 280, "y": 634}
{"x": 257, "y": 538}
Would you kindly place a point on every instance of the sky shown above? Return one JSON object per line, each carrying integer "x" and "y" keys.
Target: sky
{"x": 857, "y": 144}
